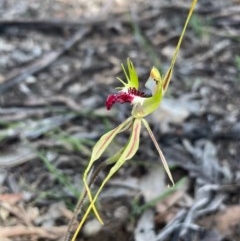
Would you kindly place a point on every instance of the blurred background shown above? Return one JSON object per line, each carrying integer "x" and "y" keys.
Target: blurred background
{"x": 59, "y": 60}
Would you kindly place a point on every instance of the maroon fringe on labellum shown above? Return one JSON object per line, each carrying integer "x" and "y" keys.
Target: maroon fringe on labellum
{"x": 123, "y": 97}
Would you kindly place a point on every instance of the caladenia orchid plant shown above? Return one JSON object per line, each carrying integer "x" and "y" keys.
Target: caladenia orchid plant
{"x": 143, "y": 105}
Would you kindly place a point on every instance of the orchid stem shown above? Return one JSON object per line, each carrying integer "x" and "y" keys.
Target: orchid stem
{"x": 81, "y": 201}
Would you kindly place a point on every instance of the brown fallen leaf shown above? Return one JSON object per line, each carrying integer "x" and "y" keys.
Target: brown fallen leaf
{"x": 169, "y": 201}
{"x": 11, "y": 198}
{"x": 224, "y": 221}
{"x": 227, "y": 219}
{"x": 40, "y": 232}
{"x": 166, "y": 210}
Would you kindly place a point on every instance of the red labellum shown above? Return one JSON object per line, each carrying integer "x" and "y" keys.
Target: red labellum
{"x": 123, "y": 97}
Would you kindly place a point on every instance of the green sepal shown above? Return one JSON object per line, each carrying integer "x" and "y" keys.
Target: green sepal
{"x": 98, "y": 150}
{"x": 127, "y": 153}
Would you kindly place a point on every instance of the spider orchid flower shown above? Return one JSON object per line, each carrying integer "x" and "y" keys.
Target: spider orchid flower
{"x": 143, "y": 105}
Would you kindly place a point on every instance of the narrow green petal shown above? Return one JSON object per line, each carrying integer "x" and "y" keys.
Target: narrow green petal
{"x": 121, "y": 82}
{"x": 126, "y": 74}
{"x": 132, "y": 74}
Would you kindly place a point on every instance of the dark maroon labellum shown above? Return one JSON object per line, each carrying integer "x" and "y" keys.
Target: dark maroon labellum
{"x": 123, "y": 97}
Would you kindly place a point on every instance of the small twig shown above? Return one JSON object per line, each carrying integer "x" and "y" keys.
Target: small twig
{"x": 34, "y": 129}
{"x": 199, "y": 132}
{"x": 19, "y": 113}
{"x": 48, "y": 24}
{"x": 203, "y": 198}
{"x": 172, "y": 225}
{"x": 213, "y": 206}
{"x": 80, "y": 203}
{"x": 41, "y": 232}
{"x": 211, "y": 53}
{"x": 17, "y": 212}
{"x": 41, "y": 63}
